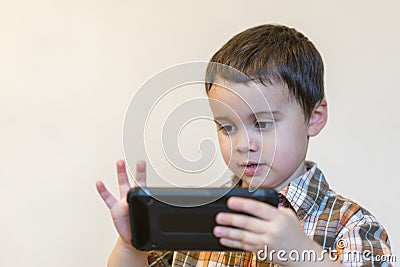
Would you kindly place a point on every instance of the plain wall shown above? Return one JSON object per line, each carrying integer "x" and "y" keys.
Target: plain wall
{"x": 68, "y": 70}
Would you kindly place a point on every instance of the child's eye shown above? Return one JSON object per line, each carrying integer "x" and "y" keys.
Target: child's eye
{"x": 226, "y": 128}
{"x": 263, "y": 124}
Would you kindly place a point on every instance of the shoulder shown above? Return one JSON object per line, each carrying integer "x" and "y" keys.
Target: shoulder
{"x": 346, "y": 212}
{"x": 341, "y": 219}
{"x": 314, "y": 199}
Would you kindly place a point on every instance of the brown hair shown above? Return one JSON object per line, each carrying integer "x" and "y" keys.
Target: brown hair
{"x": 273, "y": 54}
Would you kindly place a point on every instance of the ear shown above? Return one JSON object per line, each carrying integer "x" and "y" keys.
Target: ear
{"x": 318, "y": 118}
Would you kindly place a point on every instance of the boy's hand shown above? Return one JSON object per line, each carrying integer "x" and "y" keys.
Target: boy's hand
{"x": 276, "y": 228}
{"x": 119, "y": 207}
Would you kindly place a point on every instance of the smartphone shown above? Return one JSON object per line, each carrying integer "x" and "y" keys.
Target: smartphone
{"x": 183, "y": 218}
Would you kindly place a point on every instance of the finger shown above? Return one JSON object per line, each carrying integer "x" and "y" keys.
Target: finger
{"x": 252, "y": 207}
{"x": 241, "y": 221}
{"x": 249, "y": 238}
{"x": 123, "y": 180}
{"x": 140, "y": 177}
{"x": 108, "y": 198}
{"x": 237, "y": 244}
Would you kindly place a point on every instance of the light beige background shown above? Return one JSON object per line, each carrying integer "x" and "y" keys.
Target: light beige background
{"x": 68, "y": 70}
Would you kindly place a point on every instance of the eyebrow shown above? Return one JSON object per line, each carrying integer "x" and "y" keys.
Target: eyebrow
{"x": 274, "y": 112}
{"x": 257, "y": 114}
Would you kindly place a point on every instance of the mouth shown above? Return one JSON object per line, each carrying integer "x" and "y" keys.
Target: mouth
{"x": 252, "y": 168}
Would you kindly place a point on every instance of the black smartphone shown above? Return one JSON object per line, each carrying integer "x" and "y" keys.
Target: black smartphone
{"x": 183, "y": 218}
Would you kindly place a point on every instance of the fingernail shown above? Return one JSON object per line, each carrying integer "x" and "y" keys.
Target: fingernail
{"x": 141, "y": 164}
{"x": 232, "y": 201}
{"x": 223, "y": 241}
{"x": 217, "y": 231}
{"x": 220, "y": 218}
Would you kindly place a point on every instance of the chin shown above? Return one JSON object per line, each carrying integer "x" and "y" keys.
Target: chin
{"x": 258, "y": 181}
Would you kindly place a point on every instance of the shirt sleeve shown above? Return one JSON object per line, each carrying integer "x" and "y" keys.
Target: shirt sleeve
{"x": 157, "y": 258}
{"x": 366, "y": 244}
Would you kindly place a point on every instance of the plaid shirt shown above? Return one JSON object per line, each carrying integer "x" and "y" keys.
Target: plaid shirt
{"x": 349, "y": 232}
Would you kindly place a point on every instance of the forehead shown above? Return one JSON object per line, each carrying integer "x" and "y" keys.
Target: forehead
{"x": 226, "y": 96}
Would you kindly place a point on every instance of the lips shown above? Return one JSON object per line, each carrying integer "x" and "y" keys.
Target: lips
{"x": 252, "y": 168}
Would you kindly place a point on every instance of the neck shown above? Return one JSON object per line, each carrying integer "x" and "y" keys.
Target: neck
{"x": 300, "y": 170}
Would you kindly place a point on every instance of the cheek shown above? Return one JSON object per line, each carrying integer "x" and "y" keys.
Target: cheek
{"x": 291, "y": 146}
{"x": 225, "y": 148}
{"x": 267, "y": 146}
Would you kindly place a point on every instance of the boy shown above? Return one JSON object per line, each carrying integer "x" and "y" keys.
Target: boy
{"x": 267, "y": 145}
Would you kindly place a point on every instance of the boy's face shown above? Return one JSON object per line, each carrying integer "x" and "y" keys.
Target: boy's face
{"x": 267, "y": 143}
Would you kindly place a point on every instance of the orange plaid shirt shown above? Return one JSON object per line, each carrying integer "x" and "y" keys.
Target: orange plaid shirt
{"x": 349, "y": 232}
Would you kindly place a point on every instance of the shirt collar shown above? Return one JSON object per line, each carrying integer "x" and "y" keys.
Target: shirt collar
{"x": 306, "y": 193}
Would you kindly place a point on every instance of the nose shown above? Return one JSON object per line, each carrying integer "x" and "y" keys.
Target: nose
{"x": 246, "y": 141}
